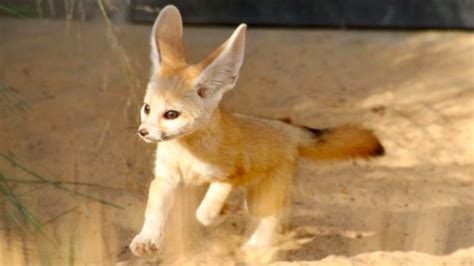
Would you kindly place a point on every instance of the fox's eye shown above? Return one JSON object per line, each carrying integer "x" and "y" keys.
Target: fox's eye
{"x": 146, "y": 109}
{"x": 171, "y": 114}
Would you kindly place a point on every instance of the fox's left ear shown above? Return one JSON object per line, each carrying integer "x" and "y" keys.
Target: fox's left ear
{"x": 220, "y": 71}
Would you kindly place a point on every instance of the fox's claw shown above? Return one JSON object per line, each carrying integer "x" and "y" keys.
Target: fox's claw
{"x": 145, "y": 245}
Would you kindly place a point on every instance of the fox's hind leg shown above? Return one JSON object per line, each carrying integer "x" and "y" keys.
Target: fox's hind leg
{"x": 262, "y": 238}
{"x": 266, "y": 201}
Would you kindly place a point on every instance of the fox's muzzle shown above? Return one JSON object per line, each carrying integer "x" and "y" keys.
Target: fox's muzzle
{"x": 150, "y": 134}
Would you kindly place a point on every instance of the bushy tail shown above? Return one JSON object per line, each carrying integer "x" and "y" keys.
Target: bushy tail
{"x": 343, "y": 142}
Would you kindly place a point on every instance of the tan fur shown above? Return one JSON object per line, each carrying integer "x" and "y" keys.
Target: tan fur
{"x": 206, "y": 145}
{"x": 261, "y": 154}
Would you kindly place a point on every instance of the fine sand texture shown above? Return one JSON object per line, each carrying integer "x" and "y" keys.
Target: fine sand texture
{"x": 69, "y": 110}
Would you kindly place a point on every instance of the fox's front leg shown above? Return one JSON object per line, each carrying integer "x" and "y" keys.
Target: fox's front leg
{"x": 209, "y": 211}
{"x": 160, "y": 200}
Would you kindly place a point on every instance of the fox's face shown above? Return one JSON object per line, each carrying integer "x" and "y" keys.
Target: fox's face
{"x": 171, "y": 108}
{"x": 181, "y": 98}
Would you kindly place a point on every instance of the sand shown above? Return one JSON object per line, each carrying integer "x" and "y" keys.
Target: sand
{"x": 82, "y": 87}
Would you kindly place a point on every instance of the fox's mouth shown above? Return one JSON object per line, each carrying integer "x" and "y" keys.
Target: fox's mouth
{"x": 150, "y": 139}
{"x": 154, "y": 139}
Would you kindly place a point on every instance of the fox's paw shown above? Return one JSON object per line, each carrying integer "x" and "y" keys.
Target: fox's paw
{"x": 145, "y": 244}
{"x": 209, "y": 217}
{"x": 257, "y": 254}
{"x": 253, "y": 244}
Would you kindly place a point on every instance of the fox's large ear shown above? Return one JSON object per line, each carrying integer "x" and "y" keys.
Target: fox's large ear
{"x": 166, "y": 38}
{"x": 219, "y": 72}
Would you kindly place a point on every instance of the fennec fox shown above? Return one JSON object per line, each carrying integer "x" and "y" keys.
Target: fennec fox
{"x": 198, "y": 143}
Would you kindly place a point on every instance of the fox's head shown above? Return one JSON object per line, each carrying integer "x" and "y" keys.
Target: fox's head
{"x": 180, "y": 97}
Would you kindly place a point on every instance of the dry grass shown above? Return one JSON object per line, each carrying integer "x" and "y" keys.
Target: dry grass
{"x": 21, "y": 224}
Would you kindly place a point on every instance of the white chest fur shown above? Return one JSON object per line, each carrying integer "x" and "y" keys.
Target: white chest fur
{"x": 182, "y": 165}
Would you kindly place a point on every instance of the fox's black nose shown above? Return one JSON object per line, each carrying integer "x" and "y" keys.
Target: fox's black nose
{"x": 143, "y": 132}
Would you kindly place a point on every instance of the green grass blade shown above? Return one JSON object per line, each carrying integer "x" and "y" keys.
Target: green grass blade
{"x": 55, "y": 184}
{"x": 63, "y": 213}
{"x": 68, "y": 183}
{"x": 11, "y": 11}
{"x": 25, "y": 213}
{"x": 10, "y": 196}
{"x": 5, "y": 90}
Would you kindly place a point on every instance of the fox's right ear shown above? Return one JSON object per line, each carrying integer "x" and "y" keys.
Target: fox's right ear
{"x": 166, "y": 39}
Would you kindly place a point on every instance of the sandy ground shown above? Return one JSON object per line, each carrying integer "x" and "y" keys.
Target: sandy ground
{"x": 82, "y": 87}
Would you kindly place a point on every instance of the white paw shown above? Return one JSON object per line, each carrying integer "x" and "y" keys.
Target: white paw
{"x": 208, "y": 218}
{"x": 146, "y": 244}
{"x": 256, "y": 243}
{"x": 257, "y": 253}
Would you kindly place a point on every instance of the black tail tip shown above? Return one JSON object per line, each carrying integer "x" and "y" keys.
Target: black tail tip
{"x": 317, "y": 132}
{"x": 379, "y": 150}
